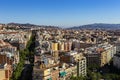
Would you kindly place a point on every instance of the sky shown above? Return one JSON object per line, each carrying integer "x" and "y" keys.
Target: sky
{"x": 63, "y": 13}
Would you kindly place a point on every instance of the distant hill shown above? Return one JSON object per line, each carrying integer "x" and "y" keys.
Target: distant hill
{"x": 28, "y": 25}
{"x": 97, "y": 26}
{"x": 18, "y": 24}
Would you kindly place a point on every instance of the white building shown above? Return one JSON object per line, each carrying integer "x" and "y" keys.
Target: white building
{"x": 81, "y": 67}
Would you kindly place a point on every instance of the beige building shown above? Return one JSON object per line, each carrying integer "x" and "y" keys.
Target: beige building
{"x": 54, "y": 46}
{"x": 67, "y": 46}
{"x": 41, "y": 74}
{"x": 71, "y": 57}
{"x": 46, "y": 73}
{"x": 99, "y": 55}
{"x": 5, "y": 72}
{"x": 61, "y": 46}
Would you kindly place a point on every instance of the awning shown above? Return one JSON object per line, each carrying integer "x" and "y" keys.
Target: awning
{"x": 49, "y": 79}
{"x": 62, "y": 74}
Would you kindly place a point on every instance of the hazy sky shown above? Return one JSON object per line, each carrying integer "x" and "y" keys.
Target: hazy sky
{"x": 60, "y": 12}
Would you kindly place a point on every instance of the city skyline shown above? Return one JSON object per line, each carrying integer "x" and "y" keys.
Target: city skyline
{"x": 60, "y": 12}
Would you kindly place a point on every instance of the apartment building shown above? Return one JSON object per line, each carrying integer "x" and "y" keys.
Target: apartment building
{"x": 54, "y": 46}
{"x": 5, "y": 67}
{"x": 100, "y": 55}
{"x": 75, "y": 58}
{"x": 46, "y": 73}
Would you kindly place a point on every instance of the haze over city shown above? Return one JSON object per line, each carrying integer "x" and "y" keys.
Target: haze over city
{"x": 63, "y": 13}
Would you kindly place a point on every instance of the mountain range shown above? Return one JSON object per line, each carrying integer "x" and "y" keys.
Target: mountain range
{"x": 88, "y": 26}
{"x": 28, "y": 25}
{"x": 97, "y": 26}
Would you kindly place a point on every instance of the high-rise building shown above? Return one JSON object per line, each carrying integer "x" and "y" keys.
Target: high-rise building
{"x": 61, "y": 46}
{"x": 54, "y": 46}
{"x": 81, "y": 67}
{"x": 68, "y": 46}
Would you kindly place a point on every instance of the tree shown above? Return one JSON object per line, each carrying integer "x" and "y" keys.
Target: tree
{"x": 28, "y": 52}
